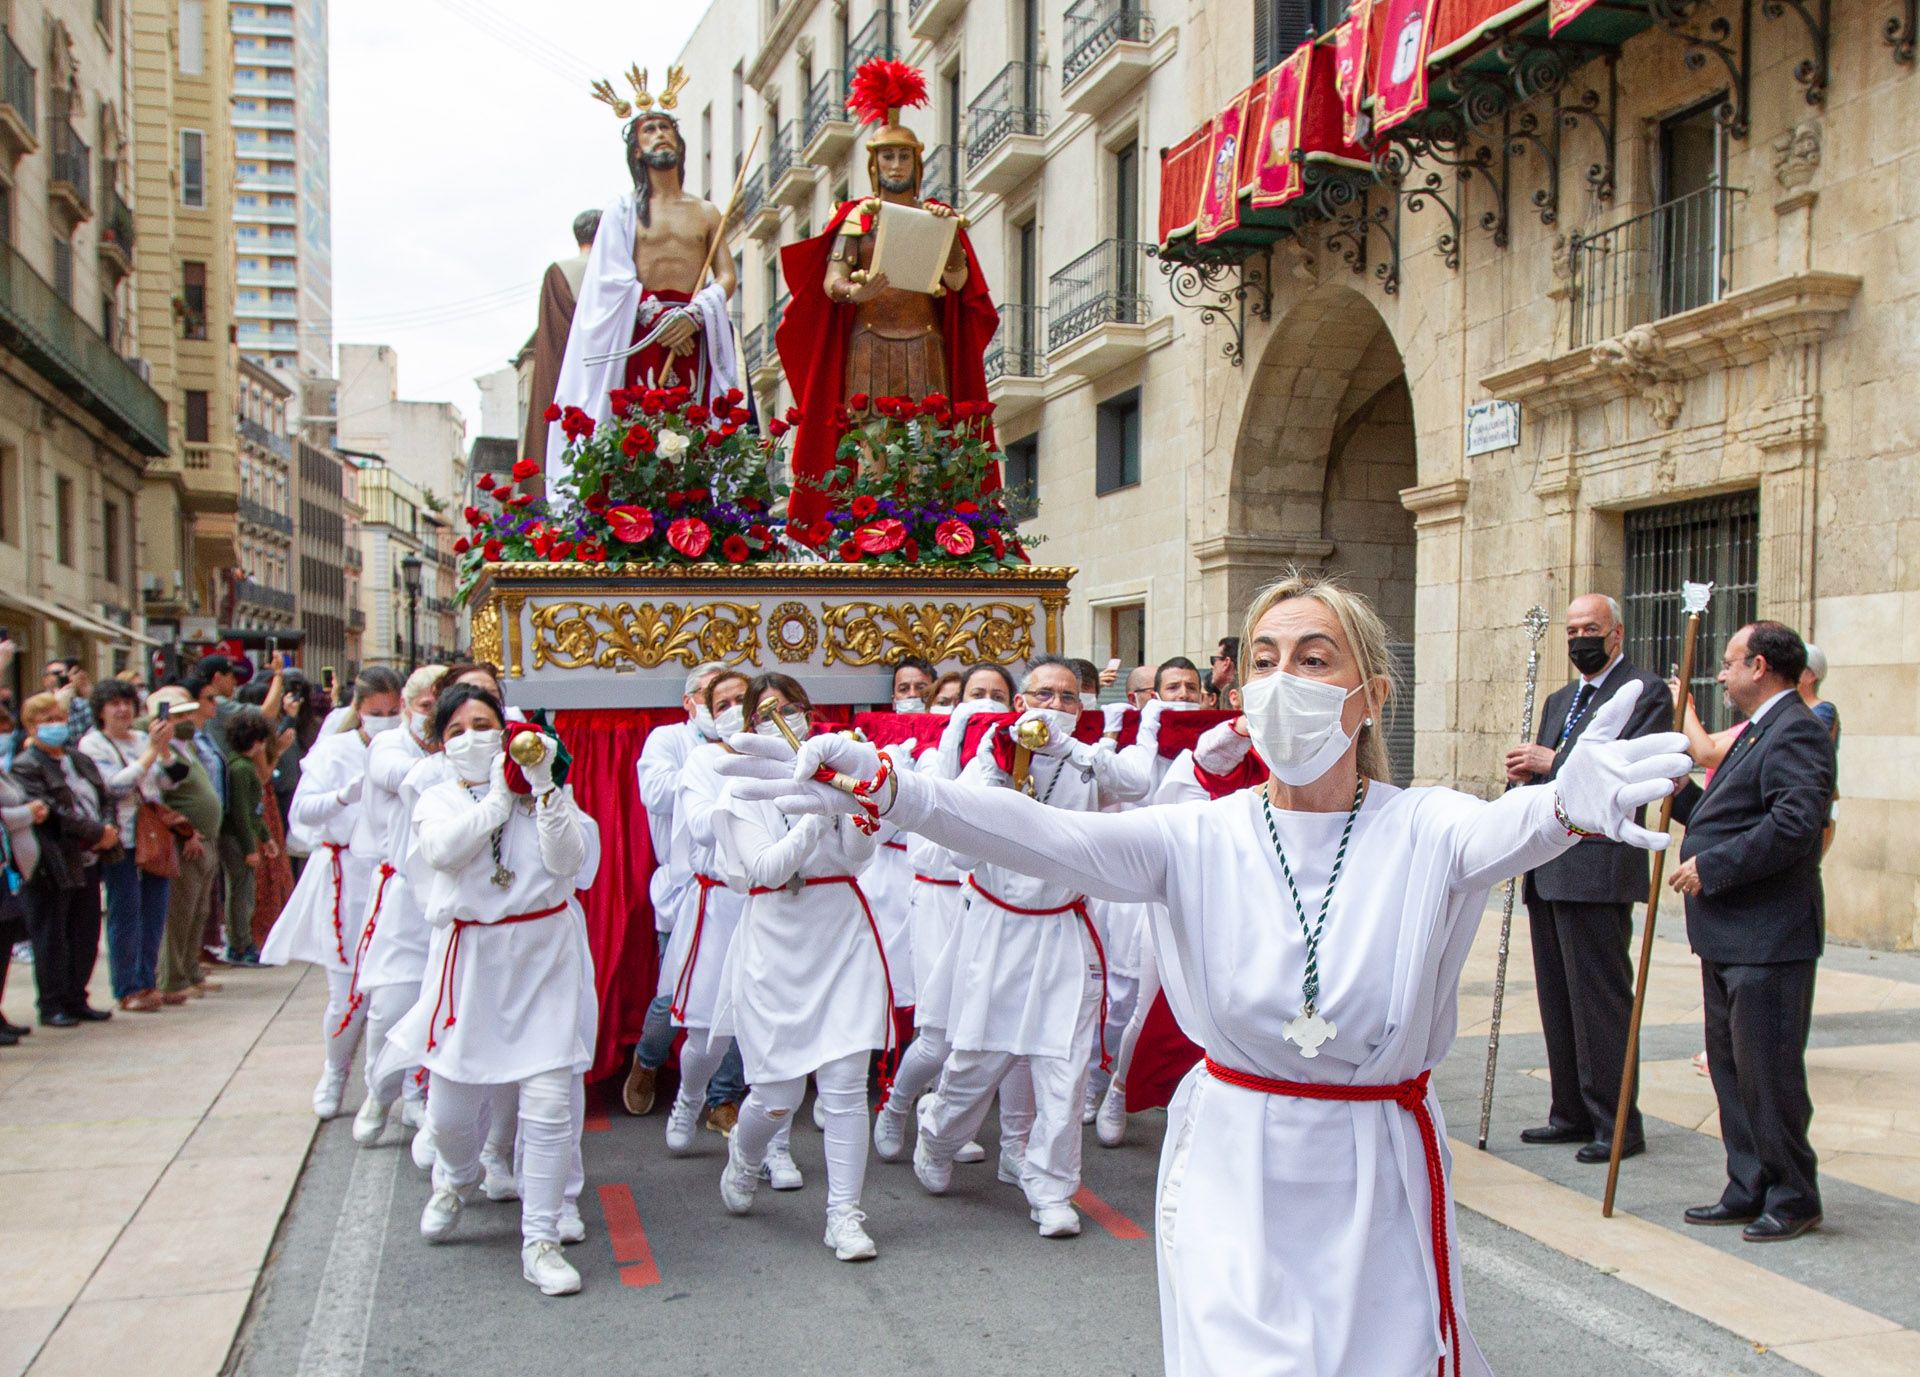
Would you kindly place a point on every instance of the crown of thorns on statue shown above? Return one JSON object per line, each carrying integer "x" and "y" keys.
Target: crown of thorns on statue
{"x": 644, "y": 102}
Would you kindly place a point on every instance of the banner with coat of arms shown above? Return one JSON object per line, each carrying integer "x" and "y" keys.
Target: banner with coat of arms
{"x": 1400, "y": 76}
{"x": 1277, "y": 175}
{"x": 1350, "y": 39}
{"x": 1220, "y": 196}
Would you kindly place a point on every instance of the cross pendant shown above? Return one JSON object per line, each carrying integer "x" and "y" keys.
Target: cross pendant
{"x": 1307, "y": 1032}
{"x": 502, "y": 877}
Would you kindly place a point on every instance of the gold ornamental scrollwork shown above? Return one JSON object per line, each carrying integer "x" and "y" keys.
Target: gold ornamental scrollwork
{"x": 583, "y": 635}
{"x": 872, "y": 633}
{"x": 792, "y": 633}
{"x": 485, "y": 635}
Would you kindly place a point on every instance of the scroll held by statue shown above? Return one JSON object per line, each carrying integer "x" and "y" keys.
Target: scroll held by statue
{"x": 911, "y": 246}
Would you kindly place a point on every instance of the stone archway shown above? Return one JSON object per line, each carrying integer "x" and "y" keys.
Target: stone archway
{"x": 1324, "y": 448}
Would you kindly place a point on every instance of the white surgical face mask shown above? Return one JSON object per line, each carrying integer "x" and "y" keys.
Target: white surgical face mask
{"x": 704, "y": 724}
{"x": 472, "y": 754}
{"x": 373, "y": 725}
{"x": 1181, "y": 705}
{"x": 796, "y": 723}
{"x": 1294, "y": 724}
{"x": 1060, "y": 725}
{"x": 726, "y": 722}
{"x": 1090, "y": 701}
{"x": 941, "y": 709}
{"x": 909, "y": 705}
{"x": 421, "y": 723}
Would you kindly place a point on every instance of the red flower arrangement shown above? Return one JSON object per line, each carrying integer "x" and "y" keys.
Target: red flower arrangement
{"x": 690, "y": 536}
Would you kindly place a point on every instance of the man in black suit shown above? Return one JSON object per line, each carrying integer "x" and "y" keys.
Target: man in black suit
{"x": 1750, "y": 870}
{"x": 1580, "y": 906}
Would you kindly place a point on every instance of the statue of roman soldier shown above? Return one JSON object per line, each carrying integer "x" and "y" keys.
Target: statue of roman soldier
{"x": 652, "y": 308}
{"x": 848, "y": 334}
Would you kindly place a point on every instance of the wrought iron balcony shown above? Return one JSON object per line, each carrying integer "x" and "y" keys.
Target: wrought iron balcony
{"x": 940, "y": 178}
{"x": 19, "y": 109}
{"x": 829, "y": 129}
{"x": 927, "y": 20}
{"x": 879, "y": 37}
{"x": 38, "y": 325}
{"x": 1093, "y": 27}
{"x": 259, "y": 595}
{"x": 259, "y": 514}
{"x": 354, "y": 557}
{"x": 71, "y": 186}
{"x": 117, "y": 234}
{"x": 274, "y": 444}
{"x": 780, "y": 154}
{"x": 1019, "y": 348}
{"x": 753, "y": 347}
{"x": 753, "y": 194}
{"x": 1011, "y": 105}
{"x": 1670, "y": 259}
{"x": 773, "y": 317}
{"x": 793, "y": 177}
{"x": 1105, "y": 286}
{"x": 356, "y": 620}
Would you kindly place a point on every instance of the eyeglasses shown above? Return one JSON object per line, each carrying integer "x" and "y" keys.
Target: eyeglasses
{"x": 1046, "y": 698}
{"x": 1728, "y": 662}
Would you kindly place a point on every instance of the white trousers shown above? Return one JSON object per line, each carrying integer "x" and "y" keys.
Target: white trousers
{"x": 919, "y": 1068}
{"x": 1051, "y": 1174}
{"x": 1123, "y": 997}
{"x": 549, "y": 1138}
{"x": 340, "y": 1041}
{"x": 1148, "y": 990}
{"x": 843, "y": 1097}
{"x": 384, "y": 1006}
{"x": 500, "y": 1127}
{"x": 698, "y": 1062}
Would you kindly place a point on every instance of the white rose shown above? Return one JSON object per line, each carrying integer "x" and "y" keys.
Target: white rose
{"x": 672, "y": 444}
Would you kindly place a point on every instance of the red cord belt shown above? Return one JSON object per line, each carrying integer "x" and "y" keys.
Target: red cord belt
{"x": 1412, "y": 1097}
{"x": 449, "y": 962}
{"x": 930, "y": 880}
{"x": 339, "y": 879}
{"x": 354, "y": 996}
{"x": 683, "y": 985}
{"x": 1079, "y": 909}
{"x": 889, "y": 1053}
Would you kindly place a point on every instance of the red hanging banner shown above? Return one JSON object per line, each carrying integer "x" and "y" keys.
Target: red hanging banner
{"x": 1561, "y": 13}
{"x": 1350, "y": 66}
{"x": 1277, "y": 173}
{"x": 1220, "y": 198}
{"x": 1400, "y": 78}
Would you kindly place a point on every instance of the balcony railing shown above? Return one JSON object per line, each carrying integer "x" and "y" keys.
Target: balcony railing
{"x": 826, "y": 104}
{"x": 259, "y": 514}
{"x": 879, "y": 37}
{"x": 1106, "y": 286}
{"x": 1670, "y": 259}
{"x": 753, "y": 345}
{"x": 17, "y": 88}
{"x": 940, "y": 181}
{"x": 73, "y": 163}
{"x": 354, "y": 557}
{"x": 773, "y": 316}
{"x": 780, "y": 155}
{"x": 1019, "y": 348}
{"x": 119, "y": 226}
{"x": 1093, "y": 26}
{"x": 1010, "y": 105}
{"x": 257, "y": 593}
{"x": 356, "y": 620}
{"x": 265, "y": 438}
{"x": 753, "y": 194}
{"x": 37, "y": 324}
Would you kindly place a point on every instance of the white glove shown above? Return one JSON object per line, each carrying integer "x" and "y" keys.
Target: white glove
{"x": 1221, "y": 749}
{"x": 1058, "y": 742}
{"x": 1605, "y": 781}
{"x": 765, "y": 769}
{"x": 540, "y": 777}
{"x": 1150, "y": 715}
{"x": 563, "y": 843}
{"x": 1115, "y": 715}
{"x": 351, "y": 794}
{"x": 901, "y": 753}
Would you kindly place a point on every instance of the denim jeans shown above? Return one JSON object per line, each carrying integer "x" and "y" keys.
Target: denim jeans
{"x": 136, "y": 925}
{"x": 729, "y": 1083}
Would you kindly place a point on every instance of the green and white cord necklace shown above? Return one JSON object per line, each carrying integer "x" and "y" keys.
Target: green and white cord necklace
{"x": 1309, "y": 1030}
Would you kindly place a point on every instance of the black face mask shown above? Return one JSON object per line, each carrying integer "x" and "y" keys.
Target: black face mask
{"x": 1588, "y": 653}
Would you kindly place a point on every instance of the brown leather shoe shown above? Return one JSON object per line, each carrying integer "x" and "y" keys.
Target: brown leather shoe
{"x": 205, "y": 987}
{"x": 176, "y": 996}
{"x": 637, "y": 1094}
{"x": 142, "y": 1002}
{"x": 722, "y": 1118}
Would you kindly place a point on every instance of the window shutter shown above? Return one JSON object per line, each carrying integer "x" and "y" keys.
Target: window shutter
{"x": 1262, "y": 35}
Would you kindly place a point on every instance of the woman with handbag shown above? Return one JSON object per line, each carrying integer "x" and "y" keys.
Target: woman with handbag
{"x": 19, "y": 855}
{"x": 129, "y": 761}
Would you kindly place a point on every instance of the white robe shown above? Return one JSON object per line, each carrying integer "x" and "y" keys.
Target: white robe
{"x": 306, "y": 929}
{"x": 888, "y": 882}
{"x": 514, "y": 999}
{"x": 1294, "y": 1235}
{"x": 804, "y": 982}
{"x": 659, "y": 768}
{"x": 700, "y": 940}
{"x": 603, "y": 319}
{"x": 397, "y": 955}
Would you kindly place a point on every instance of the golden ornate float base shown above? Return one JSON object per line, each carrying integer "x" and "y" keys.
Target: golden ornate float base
{"x": 589, "y": 636}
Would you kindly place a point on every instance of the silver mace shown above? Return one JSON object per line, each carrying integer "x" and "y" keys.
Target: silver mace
{"x": 1536, "y": 624}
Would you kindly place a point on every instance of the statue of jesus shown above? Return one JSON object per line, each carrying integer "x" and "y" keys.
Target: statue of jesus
{"x": 652, "y": 311}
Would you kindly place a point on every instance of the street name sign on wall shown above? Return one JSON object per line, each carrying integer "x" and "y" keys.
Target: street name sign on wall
{"x": 1491, "y": 426}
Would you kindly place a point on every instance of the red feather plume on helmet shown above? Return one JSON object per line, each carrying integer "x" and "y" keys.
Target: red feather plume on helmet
{"x": 882, "y": 85}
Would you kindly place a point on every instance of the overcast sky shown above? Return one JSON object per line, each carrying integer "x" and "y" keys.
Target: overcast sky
{"x": 465, "y": 140}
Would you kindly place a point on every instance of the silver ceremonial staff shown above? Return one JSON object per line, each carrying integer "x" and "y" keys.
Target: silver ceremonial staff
{"x": 1536, "y": 624}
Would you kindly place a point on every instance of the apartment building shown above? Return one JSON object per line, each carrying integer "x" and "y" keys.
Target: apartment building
{"x": 266, "y": 597}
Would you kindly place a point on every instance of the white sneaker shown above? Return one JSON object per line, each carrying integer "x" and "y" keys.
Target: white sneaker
{"x": 848, "y": 1240}
{"x": 969, "y": 1154}
{"x": 1110, "y": 1125}
{"x": 1012, "y": 1163}
{"x": 819, "y": 1114}
{"x": 682, "y": 1123}
{"x": 500, "y": 1183}
{"x": 326, "y": 1094}
{"x": 779, "y": 1170}
{"x": 370, "y": 1122}
{"x": 935, "y": 1176}
{"x": 573, "y": 1229}
{"x": 1089, "y": 1107}
{"x": 737, "y": 1184}
{"x": 547, "y": 1267}
{"x": 413, "y": 1113}
{"x": 1056, "y": 1221}
{"x": 423, "y": 1153}
{"x": 443, "y": 1211}
{"x": 890, "y": 1134}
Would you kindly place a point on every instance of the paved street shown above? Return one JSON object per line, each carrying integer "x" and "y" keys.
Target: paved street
{"x": 151, "y": 1161}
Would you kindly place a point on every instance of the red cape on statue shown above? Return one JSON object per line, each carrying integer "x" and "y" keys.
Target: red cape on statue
{"x": 812, "y": 342}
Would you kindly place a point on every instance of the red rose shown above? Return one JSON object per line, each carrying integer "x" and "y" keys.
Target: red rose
{"x": 715, "y": 438}
{"x": 696, "y": 494}
{"x": 750, "y": 504}
{"x": 473, "y": 516}
{"x": 863, "y": 507}
{"x": 986, "y": 408}
{"x": 935, "y": 404}
{"x": 462, "y": 545}
{"x": 777, "y": 427}
{"x": 997, "y": 544}
{"x": 650, "y": 402}
{"x": 955, "y": 537}
{"x": 735, "y": 396}
{"x": 964, "y": 411}
{"x": 552, "y": 413}
{"x": 630, "y": 524}
{"x": 690, "y": 536}
{"x": 597, "y": 502}
{"x": 622, "y": 399}
{"x": 675, "y": 501}
{"x": 543, "y": 544}
{"x": 592, "y": 551}
{"x": 759, "y": 535}
{"x": 697, "y": 414}
{"x": 520, "y": 500}
{"x": 793, "y": 415}
{"x": 881, "y": 537}
{"x": 486, "y": 482}
{"x": 857, "y": 402}
{"x": 492, "y": 551}
{"x": 630, "y": 444}
{"x": 563, "y": 550}
{"x": 524, "y": 469}
{"x": 849, "y": 552}
{"x": 735, "y": 550}
{"x": 912, "y": 551}
{"x": 967, "y": 508}
{"x": 643, "y": 439}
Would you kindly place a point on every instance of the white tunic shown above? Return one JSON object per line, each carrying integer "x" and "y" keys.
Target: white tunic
{"x": 805, "y": 983}
{"x": 503, "y": 1001}
{"x": 1294, "y": 1234}
{"x": 888, "y": 882}
{"x": 397, "y": 955}
{"x": 661, "y": 760}
{"x": 697, "y": 953}
{"x": 335, "y": 879}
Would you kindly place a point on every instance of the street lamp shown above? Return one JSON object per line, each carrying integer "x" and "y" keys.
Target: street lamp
{"x": 410, "y": 576}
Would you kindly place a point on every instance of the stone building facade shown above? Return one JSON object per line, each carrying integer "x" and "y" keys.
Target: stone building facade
{"x": 265, "y": 598}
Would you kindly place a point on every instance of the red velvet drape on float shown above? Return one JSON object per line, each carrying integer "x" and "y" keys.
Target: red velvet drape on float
{"x": 606, "y": 743}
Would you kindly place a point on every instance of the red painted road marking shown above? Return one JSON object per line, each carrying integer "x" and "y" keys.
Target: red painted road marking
{"x": 597, "y": 1119}
{"x": 630, "y": 1247}
{"x": 1103, "y": 1214}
